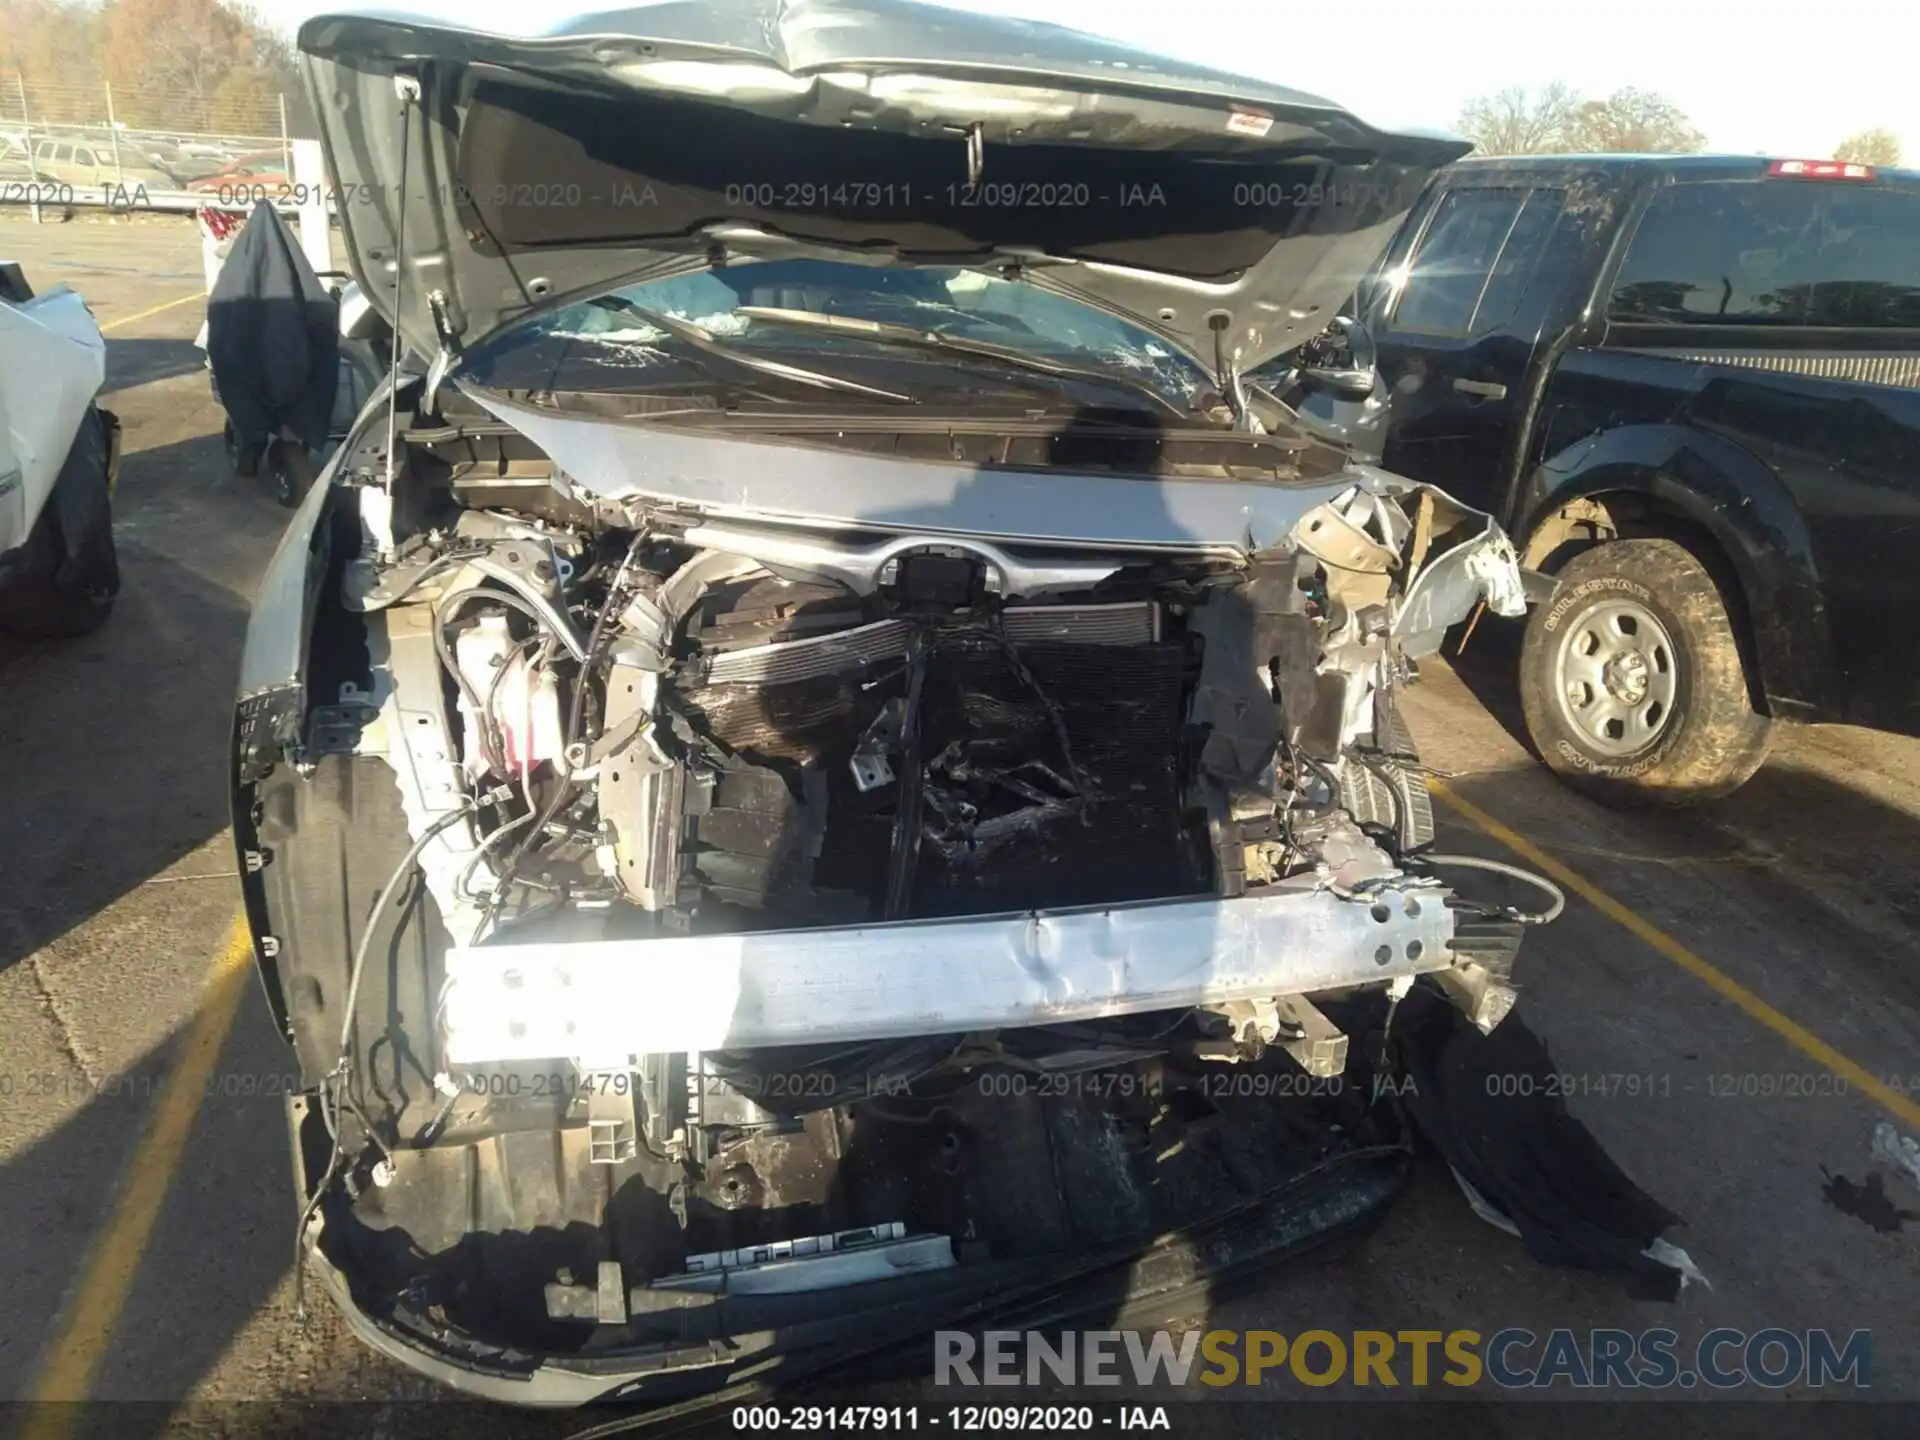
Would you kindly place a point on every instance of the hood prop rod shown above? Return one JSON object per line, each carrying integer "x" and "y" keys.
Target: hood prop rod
{"x": 407, "y": 87}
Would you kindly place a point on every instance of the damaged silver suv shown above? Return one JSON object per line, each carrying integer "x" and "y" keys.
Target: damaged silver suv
{"x": 823, "y": 762}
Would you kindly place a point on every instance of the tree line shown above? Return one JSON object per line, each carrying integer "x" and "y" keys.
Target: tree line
{"x": 1557, "y": 120}
{"x": 182, "y": 64}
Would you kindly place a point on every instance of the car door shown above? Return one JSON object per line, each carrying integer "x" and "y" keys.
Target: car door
{"x": 1455, "y": 322}
{"x": 1795, "y": 303}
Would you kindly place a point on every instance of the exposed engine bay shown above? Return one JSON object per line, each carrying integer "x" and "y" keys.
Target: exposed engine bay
{"x": 825, "y": 762}
{"x": 760, "y": 911}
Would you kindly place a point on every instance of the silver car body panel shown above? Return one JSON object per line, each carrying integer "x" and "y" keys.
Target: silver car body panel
{"x": 274, "y": 653}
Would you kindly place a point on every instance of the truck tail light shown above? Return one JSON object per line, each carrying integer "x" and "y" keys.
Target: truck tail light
{"x": 1820, "y": 170}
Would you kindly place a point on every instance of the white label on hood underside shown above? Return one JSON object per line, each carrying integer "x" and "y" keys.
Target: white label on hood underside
{"x": 1249, "y": 122}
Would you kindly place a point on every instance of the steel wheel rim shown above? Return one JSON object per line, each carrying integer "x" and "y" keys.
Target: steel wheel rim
{"x": 1615, "y": 675}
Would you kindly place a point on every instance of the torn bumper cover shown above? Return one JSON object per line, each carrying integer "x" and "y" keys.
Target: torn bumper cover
{"x": 707, "y": 1350}
{"x": 608, "y": 1000}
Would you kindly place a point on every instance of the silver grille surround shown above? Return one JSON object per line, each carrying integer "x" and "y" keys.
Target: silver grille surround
{"x": 1126, "y": 623}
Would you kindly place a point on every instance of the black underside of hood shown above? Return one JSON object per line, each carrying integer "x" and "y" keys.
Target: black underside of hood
{"x": 659, "y": 169}
{"x": 1230, "y": 216}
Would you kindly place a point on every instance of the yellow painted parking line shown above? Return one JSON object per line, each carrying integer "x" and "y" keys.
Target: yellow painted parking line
{"x": 126, "y": 320}
{"x": 1788, "y": 1029}
{"x": 86, "y": 1324}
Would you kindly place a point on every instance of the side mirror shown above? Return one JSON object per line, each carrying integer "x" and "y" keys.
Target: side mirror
{"x": 1342, "y": 361}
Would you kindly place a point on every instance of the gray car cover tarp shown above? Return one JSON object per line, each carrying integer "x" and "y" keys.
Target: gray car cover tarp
{"x": 273, "y": 337}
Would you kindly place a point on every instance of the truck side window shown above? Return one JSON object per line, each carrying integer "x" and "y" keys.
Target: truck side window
{"x": 1474, "y": 261}
{"x": 1774, "y": 252}
{"x": 1519, "y": 258}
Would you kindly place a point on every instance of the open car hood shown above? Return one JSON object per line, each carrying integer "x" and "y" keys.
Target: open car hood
{"x": 1230, "y": 216}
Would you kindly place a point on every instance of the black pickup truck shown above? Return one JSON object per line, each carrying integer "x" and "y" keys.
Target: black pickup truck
{"x": 1689, "y": 386}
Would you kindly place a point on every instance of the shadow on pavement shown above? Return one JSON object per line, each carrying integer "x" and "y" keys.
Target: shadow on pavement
{"x": 1488, "y": 668}
{"x": 113, "y": 746}
{"x": 112, "y": 769}
{"x": 143, "y": 361}
{"x": 223, "y": 1239}
{"x": 1858, "y": 850}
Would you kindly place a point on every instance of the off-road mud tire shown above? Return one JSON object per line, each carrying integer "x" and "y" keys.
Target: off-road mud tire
{"x": 1713, "y": 739}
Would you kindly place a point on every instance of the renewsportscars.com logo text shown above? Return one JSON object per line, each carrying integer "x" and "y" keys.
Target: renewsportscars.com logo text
{"x": 1511, "y": 1359}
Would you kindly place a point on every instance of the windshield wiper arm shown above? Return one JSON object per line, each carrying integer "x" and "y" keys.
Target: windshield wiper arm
{"x": 701, "y": 341}
{"x": 889, "y": 333}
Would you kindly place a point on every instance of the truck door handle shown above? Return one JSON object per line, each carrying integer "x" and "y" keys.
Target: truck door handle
{"x": 1486, "y": 389}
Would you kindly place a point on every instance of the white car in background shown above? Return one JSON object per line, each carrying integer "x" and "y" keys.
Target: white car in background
{"x": 59, "y": 454}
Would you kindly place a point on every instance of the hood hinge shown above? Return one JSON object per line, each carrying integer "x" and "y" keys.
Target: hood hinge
{"x": 443, "y": 320}
{"x": 976, "y": 137}
{"x": 1227, "y": 375}
{"x": 449, "y": 351}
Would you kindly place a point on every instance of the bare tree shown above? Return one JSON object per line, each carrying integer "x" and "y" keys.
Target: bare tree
{"x": 244, "y": 102}
{"x": 180, "y": 64}
{"x": 1633, "y": 121}
{"x": 1519, "y": 121}
{"x": 1878, "y": 146}
{"x": 48, "y": 48}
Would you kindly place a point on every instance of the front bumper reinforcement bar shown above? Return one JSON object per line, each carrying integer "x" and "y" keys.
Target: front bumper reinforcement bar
{"x": 608, "y": 999}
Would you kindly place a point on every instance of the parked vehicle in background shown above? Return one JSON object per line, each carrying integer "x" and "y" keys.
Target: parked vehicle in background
{"x": 189, "y": 158}
{"x": 260, "y": 176}
{"x": 92, "y": 165}
{"x": 1690, "y": 387}
{"x": 59, "y": 452}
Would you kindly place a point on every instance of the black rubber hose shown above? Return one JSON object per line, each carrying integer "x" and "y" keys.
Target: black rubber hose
{"x": 1526, "y": 877}
{"x": 576, "y": 710}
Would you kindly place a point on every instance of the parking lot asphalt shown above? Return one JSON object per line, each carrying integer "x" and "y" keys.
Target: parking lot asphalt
{"x": 1756, "y": 963}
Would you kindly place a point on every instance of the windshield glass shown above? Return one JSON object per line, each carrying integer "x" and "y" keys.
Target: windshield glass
{"x": 574, "y": 347}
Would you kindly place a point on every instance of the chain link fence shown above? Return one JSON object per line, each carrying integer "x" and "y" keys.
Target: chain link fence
{"x": 86, "y": 143}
